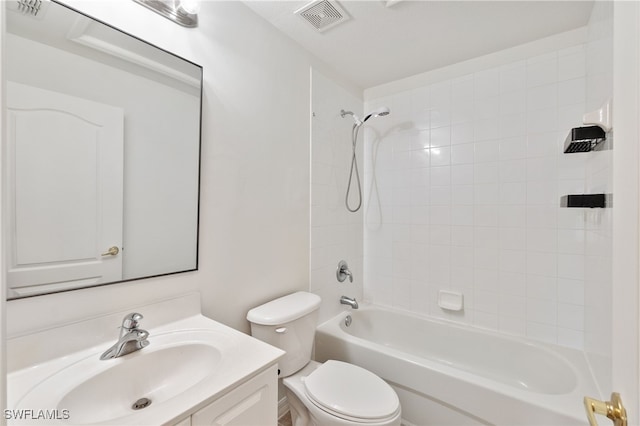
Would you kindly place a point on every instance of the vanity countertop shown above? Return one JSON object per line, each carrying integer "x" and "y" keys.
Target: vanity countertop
{"x": 189, "y": 363}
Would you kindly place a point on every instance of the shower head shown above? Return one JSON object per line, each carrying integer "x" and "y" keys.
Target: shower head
{"x": 379, "y": 112}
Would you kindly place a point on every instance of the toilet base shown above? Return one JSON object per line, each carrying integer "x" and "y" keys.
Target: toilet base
{"x": 305, "y": 413}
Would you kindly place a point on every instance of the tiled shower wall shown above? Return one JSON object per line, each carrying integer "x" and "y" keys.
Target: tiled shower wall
{"x": 336, "y": 234}
{"x": 463, "y": 184}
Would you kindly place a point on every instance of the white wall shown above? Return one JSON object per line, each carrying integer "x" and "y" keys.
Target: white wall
{"x": 336, "y": 234}
{"x": 3, "y": 310}
{"x": 468, "y": 178}
{"x": 254, "y": 199}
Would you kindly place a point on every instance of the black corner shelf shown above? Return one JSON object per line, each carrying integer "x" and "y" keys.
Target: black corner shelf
{"x": 583, "y": 139}
{"x": 589, "y": 201}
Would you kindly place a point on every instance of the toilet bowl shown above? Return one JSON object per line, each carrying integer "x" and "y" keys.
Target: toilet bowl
{"x": 337, "y": 393}
{"x": 333, "y": 393}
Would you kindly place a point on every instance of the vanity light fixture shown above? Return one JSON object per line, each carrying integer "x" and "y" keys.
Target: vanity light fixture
{"x": 182, "y": 12}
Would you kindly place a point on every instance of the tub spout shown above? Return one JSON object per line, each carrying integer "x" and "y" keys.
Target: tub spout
{"x": 349, "y": 301}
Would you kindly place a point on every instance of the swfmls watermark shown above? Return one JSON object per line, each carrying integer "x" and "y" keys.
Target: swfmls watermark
{"x": 28, "y": 414}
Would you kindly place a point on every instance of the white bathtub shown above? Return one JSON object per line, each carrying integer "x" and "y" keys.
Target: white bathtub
{"x": 447, "y": 374}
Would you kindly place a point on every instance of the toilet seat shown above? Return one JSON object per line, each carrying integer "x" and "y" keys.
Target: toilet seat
{"x": 351, "y": 393}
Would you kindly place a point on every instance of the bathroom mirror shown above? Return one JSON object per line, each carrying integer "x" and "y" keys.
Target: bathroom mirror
{"x": 103, "y": 154}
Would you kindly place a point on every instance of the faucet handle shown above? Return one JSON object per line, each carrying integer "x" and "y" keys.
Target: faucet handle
{"x": 132, "y": 320}
{"x": 343, "y": 272}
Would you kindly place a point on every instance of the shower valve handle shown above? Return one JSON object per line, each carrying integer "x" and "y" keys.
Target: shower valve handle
{"x": 343, "y": 272}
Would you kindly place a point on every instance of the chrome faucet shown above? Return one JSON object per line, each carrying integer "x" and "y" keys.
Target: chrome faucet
{"x": 349, "y": 301}
{"x": 131, "y": 338}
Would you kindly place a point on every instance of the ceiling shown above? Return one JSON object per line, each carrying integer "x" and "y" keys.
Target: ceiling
{"x": 389, "y": 40}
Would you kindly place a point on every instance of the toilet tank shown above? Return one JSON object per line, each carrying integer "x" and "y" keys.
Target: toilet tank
{"x": 288, "y": 323}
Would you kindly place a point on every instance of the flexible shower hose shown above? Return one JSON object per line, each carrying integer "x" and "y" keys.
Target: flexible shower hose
{"x": 354, "y": 166}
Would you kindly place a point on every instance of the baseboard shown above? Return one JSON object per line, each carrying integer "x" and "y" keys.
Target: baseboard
{"x": 283, "y": 407}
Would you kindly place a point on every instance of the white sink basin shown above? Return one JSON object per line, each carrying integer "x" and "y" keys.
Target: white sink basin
{"x": 93, "y": 391}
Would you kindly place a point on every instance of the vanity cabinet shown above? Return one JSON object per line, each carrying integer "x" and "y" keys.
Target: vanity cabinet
{"x": 252, "y": 403}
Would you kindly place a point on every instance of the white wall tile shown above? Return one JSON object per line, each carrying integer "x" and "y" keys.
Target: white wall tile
{"x": 541, "y": 287}
{"x": 488, "y": 128}
{"x": 440, "y": 156}
{"x": 542, "y": 120}
{"x": 512, "y": 216}
{"x": 486, "y": 108}
{"x": 542, "y": 332}
{"x": 513, "y": 148}
{"x": 487, "y": 83}
{"x": 513, "y": 283}
{"x": 513, "y": 171}
{"x": 513, "y": 261}
{"x": 483, "y": 206}
{"x": 462, "y": 195}
{"x": 441, "y": 94}
{"x": 542, "y": 97}
{"x": 542, "y": 311}
{"x": 542, "y": 70}
{"x": 487, "y": 237}
{"x": 571, "y": 241}
{"x": 543, "y": 145}
{"x": 513, "y": 77}
{"x": 441, "y": 136}
{"x": 462, "y": 236}
{"x": 513, "y": 306}
{"x": 487, "y": 193}
{"x": 571, "y": 316}
{"x": 486, "y": 151}
{"x": 571, "y": 266}
{"x": 420, "y": 158}
{"x": 440, "y": 175}
{"x": 486, "y": 215}
{"x": 513, "y": 103}
{"x": 485, "y": 320}
{"x": 545, "y": 264}
{"x": 462, "y": 112}
{"x": 462, "y": 89}
{"x": 572, "y": 65}
{"x": 487, "y": 172}
{"x": 462, "y": 174}
{"x": 572, "y": 91}
{"x": 513, "y": 239}
{"x": 462, "y": 215}
{"x": 513, "y": 125}
{"x": 513, "y": 193}
{"x": 462, "y": 132}
{"x": 462, "y": 154}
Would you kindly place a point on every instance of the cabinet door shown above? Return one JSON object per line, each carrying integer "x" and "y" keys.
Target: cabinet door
{"x": 184, "y": 422}
{"x": 254, "y": 403}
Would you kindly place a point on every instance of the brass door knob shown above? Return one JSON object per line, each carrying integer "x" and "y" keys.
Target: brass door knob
{"x": 613, "y": 409}
{"x": 113, "y": 251}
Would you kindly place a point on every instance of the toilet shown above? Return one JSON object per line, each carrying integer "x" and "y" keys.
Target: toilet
{"x": 319, "y": 394}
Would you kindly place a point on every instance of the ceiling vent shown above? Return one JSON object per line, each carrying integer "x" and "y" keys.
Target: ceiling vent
{"x": 35, "y": 8}
{"x": 322, "y": 14}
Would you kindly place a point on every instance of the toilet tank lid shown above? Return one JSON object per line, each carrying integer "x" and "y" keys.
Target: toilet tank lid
{"x": 285, "y": 309}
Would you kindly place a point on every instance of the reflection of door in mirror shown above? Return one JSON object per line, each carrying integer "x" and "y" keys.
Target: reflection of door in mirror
{"x": 65, "y": 191}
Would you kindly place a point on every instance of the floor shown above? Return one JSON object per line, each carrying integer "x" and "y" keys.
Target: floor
{"x": 285, "y": 420}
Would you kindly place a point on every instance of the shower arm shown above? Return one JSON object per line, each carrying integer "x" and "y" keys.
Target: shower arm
{"x": 357, "y": 120}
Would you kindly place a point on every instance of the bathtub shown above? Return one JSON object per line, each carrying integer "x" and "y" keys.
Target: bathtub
{"x": 448, "y": 374}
